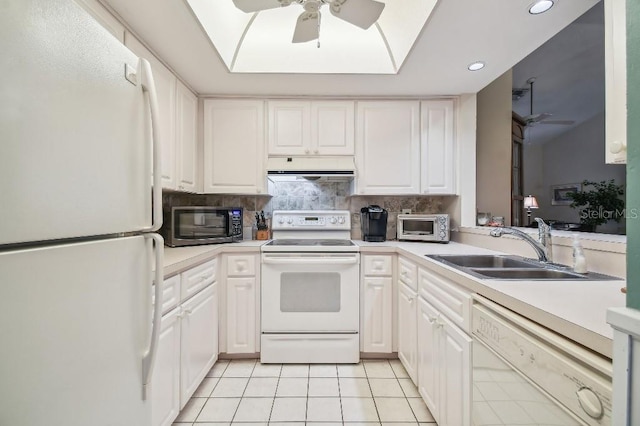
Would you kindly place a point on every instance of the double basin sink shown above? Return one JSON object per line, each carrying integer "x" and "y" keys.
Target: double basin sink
{"x": 503, "y": 267}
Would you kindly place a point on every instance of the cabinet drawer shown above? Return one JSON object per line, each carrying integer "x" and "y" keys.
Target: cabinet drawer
{"x": 408, "y": 273}
{"x": 449, "y": 298}
{"x": 241, "y": 265}
{"x": 198, "y": 278}
{"x": 378, "y": 265}
{"x": 170, "y": 293}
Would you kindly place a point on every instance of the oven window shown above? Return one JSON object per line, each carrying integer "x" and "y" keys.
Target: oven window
{"x": 200, "y": 224}
{"x": 418, "y": 227}
{"x": 310, "y": 292}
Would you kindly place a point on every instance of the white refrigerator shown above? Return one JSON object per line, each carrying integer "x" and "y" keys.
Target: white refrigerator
{"x": 77, "y": 220}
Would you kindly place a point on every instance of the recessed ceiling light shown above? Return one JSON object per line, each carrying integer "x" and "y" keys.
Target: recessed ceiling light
{"x": 476, "y": 66}
{"x": 540, "y": 6}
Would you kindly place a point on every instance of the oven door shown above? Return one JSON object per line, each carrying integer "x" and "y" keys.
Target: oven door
{"x": 310, "y": 292}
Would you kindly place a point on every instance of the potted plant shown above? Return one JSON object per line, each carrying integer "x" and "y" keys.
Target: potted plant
{"x": 599, "y": 205}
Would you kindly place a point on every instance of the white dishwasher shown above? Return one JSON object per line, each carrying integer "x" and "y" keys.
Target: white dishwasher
{"x": 525, "y": 374}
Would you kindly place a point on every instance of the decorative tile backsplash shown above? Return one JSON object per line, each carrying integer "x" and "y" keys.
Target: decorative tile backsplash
{"x": 309, "y": 195}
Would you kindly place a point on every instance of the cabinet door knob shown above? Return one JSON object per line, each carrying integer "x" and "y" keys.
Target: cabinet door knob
{"x": 306, "y": 151}
{"x": 315, "y": 151}
{"x": 410, "y": 300}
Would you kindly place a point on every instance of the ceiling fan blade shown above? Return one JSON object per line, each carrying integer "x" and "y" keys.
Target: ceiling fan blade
{"x": 535, "y": 118}
{"x": 559, "y": 122}
{"x": 361, "y": 13}
{"x": 306, "y": 27}
{"x": 250, "y": 6}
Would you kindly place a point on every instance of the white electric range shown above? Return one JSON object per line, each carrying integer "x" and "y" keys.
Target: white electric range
{"x": 310, "y": 289}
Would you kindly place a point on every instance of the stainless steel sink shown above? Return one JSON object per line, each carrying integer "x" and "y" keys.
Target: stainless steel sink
{"x": 486, "y": 261}
{"x": 530, "y": 274}
{"x": 505, "y": 267}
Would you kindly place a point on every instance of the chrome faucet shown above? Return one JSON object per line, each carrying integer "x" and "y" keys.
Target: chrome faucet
{"x": 539, "y": 247}
{"x": 544, "y": 236}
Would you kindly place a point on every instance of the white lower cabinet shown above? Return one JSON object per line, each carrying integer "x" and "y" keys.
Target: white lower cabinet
{"x": 241, "y": 318}
{"x": 428, "y": 354}
{"x": 376, "y": 304}
{"x": 407, "y": 330}
{"x": 444, "y": 366}
{"x": 165, "y": 380}
{"x": 198, "y": 340}
{"x": 242, "y": 304}
{"x": 188, "y": 341}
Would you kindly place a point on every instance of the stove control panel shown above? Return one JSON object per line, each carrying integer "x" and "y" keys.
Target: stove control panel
{"x": 311, "y": 219}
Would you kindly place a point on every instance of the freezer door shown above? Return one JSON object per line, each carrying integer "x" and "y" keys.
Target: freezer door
{"x": 76, "y": 323}
{"x": 75, "y": 157}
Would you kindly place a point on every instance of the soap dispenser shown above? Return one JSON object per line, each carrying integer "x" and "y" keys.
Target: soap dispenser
{"x": 579, "y": 261}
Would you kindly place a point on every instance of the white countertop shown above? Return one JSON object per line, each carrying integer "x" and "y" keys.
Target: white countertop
{"x": 576, "y": 309}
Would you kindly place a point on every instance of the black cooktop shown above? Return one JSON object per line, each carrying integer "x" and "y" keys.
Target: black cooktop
{"x": 310, "y": 242}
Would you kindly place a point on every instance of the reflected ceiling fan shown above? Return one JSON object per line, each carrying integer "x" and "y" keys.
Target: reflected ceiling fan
{"x": 542, "y": 118}
{"x": 361, "y": 13}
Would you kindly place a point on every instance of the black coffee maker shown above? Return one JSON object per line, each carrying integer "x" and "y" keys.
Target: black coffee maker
{"x": 373, "y": 222}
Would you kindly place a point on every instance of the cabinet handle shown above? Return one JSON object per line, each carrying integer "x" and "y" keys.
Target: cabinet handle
{"x": 188, "y": 312}
{"x": 258, "y": 191}
{"x": 410, "y": 300}
{"x": 315, "y": 151}
{"x": 306, "y": 151}
{"x": 432, "y": 320}
{"x": 404, "y": 273}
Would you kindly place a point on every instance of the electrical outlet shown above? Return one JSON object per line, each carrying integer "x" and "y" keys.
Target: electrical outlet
{"x": 406, "y": 211}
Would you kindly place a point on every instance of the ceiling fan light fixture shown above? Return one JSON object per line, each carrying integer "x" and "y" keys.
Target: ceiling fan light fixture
{"x": 476, "y": 66}
{"x": 541, "y": 6}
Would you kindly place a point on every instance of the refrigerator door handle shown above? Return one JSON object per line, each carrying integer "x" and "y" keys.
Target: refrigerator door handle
{"x": 150, "y": 354}
{"x": 149, "y": 87}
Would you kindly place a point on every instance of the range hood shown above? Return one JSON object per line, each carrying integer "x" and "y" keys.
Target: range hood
{"x": 313, "y": 168}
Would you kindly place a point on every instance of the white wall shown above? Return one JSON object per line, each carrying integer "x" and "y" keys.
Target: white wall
{"x": 571, "y": 158}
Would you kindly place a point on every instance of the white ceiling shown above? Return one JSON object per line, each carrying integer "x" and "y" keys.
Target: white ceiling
{"x": 569, "y": 71}
{"x": 261, "y": 42}
{"x": 499, "y": 32}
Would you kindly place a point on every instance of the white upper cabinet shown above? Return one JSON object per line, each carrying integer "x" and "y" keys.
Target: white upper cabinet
{"x": 165, "y": 83}
{"x": 104, "y": 18}
{"x": 332, "y": 127}
{"x": 311, "y": 128}
{"x": 388, "y": 147}
{"x": 186, "y": 139}
{"x": 234, "y": 160}
{"x": 289, "y": 128}
{"x": 437, "y": 147}
{"x": 615, "y": 81}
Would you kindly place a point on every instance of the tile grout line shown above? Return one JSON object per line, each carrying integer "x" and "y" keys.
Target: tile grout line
{"x": 273, "y": 403}
{"x": 243, "y": 392}
{"x": 403, "y": 392}
{"x": 366, "y": 373}
{"x": 207, "y": 398}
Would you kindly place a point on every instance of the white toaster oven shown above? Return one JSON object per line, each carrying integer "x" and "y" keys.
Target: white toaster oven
{"x": 423, "y": 227}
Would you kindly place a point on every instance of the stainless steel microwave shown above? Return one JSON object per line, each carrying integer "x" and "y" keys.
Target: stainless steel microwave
{"x": 190, "y": 226}
{"x": 423, "y": 227}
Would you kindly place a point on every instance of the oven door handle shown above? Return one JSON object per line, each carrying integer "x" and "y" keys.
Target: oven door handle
{"x": 333, "y": 260}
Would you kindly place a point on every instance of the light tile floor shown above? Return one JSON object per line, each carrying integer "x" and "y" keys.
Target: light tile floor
{"x": 245, "y": 392}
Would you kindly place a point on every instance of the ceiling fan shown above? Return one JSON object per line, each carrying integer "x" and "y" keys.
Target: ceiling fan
{"x": 542, "y": 118}
{"x": 361, "y": 13}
